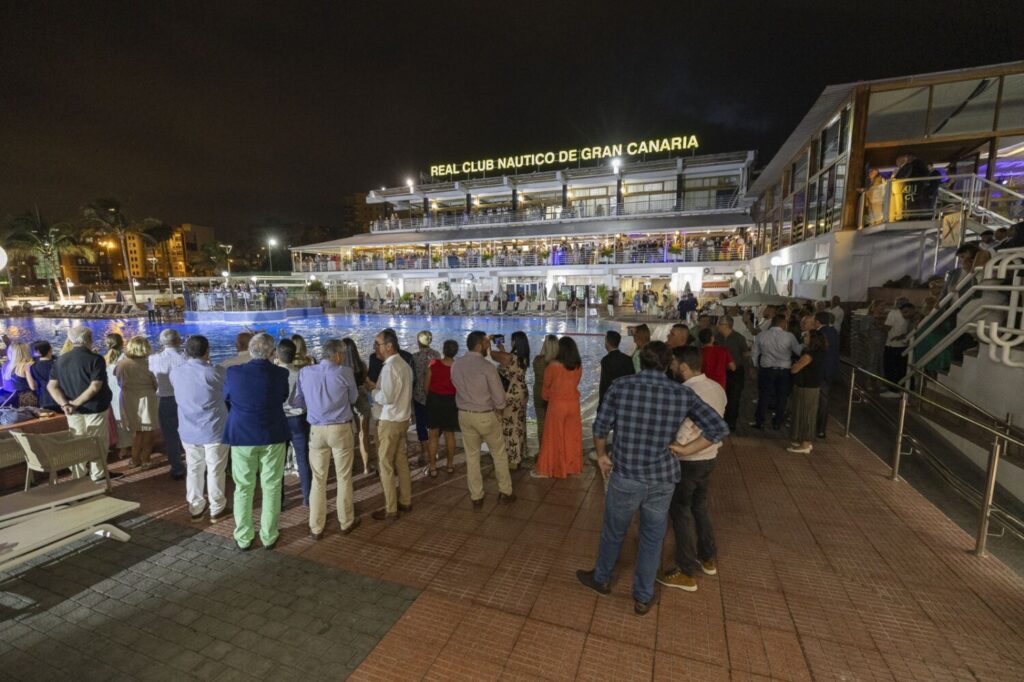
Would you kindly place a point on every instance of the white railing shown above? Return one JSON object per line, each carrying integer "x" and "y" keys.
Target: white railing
{"x": 1003, "y": 274}
{"x": 582, "y": 209}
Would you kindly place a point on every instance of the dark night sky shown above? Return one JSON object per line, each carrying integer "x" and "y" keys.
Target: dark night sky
{"x": 235, "y": 114}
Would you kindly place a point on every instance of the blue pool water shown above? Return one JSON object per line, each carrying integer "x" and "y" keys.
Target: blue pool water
{"x": 589, "y": 336}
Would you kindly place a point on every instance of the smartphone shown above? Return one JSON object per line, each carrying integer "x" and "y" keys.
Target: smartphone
{"x": 630, "y": 330}
{"x": 498, "y": 339}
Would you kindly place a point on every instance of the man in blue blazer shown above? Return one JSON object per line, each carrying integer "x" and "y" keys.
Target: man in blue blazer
{"x": 257, "y": 432}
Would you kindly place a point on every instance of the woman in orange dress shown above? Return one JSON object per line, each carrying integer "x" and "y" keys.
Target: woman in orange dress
{"x": 561, "y": 450}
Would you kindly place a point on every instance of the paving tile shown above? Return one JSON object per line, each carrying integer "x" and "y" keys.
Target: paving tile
{"x": 607, "y": 659}
{"x": 670, "y": 668}
{"x": 559, "y": 604}
{"x": 546, "y": 651}
{"x": 614, "y": 619}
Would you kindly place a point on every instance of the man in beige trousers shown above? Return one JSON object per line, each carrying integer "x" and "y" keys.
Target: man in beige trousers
{"x": 393, "y": 395}
{"x": 327, "y": 391}
{"x": 480, "y": 398}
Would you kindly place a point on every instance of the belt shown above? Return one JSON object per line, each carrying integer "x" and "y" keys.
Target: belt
{"x": 475, "y": 411}
{"x": 347, "y": 421}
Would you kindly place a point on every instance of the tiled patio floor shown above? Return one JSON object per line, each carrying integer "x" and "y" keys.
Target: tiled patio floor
{"x": 827, "y": 570}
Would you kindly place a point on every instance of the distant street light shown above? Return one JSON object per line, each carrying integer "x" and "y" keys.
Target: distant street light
{"x": 225, "y": 274}
{"x": 271, "y": 243}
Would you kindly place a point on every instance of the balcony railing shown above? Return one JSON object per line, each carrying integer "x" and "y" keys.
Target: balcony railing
{"x": 582, "y": 210}
{"x": 578, "y": 257}
{"x": 249, "y": 301}
{"x": 986, "y": 202}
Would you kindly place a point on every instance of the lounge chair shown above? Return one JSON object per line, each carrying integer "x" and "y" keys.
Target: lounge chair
{"x": 52, "y": 452}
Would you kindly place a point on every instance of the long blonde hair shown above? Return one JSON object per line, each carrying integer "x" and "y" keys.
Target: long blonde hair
{"x": 549, "y": 348}
{"x": 18, "y": 355}
{"x": 115, "y": 348}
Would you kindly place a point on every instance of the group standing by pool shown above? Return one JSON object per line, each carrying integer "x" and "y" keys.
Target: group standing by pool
{"x": 247, "y": 411}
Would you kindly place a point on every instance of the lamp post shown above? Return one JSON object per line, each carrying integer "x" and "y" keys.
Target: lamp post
{"x": 226, "y": 248}
{"x": 271, "y": 243}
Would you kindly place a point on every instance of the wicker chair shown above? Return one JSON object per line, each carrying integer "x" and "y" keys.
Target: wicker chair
{"x": 52, "y": 452}
{"x": 11, "y": 453}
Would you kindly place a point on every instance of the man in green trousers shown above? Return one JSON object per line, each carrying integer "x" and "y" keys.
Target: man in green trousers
{"x": 257, "y": 432}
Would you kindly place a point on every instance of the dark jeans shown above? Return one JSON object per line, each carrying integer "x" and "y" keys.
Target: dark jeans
{"x": 690, "y": 506}
{"x": 823, "y": 391}
{"x": 622, "y": 501}
{"x": 894, "y": 364}
{"x": 734, "y": 382}
{"x": 420, "y": 410}
{"x": 167, "y": 414}
{"x": 299, "y": 428}
{"x": 772, "y": 393}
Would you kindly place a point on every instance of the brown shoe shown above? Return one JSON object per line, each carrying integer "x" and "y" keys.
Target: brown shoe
{"x": 382, "y": 515}
{"x": 478, "y": 504}
{"x": 405, "y": 508}
{"x": 355, "y": 524}
{"x": 316, "y": 536}
{"x": 507, "y": 499}
{"x": 642, "y": 608}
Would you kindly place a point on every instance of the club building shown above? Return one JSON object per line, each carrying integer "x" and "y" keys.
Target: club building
{"x": 638, "y": 214}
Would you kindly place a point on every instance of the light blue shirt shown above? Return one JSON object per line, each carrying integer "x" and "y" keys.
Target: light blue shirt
{"x": 199, "y": 390}
{"x": 775, "y": 348}
{"x": 327, "y": 391}
{"x": 161, "y": 364}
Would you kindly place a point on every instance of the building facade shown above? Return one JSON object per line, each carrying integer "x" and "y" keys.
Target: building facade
{"x": 622, "y": 223}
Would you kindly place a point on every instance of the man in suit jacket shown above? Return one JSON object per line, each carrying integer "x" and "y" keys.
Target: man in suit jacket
{"x": 257, "y": 432}
{"x": 614, "y": 364}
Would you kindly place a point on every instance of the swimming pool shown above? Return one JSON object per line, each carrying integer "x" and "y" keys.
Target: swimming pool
{"x": 589, "y": 335}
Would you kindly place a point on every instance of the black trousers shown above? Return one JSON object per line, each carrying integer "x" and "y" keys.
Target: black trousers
{"x": 823, "y": 391}
{"x": 894, "y": 364}
{"x": 689, "y": 506}
{"x": 734, "y": 382}
{"x": 772, "y": 394}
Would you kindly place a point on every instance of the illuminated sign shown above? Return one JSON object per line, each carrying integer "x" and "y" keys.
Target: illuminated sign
{"x": 546, "y": 158}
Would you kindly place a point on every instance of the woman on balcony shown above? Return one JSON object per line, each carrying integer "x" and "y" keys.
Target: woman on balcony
{"x": 561, "y": 450}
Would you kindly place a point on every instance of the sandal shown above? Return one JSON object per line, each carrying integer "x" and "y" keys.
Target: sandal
{"x": 432, "y": 472}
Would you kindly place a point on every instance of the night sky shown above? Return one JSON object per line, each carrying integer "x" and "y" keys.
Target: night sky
{"x": 255, "y": 113}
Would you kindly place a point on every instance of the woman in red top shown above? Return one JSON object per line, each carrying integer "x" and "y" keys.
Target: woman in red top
{"x": 714, "y": 359}
{"x": 442, "y": 415}
{"x": 561, "y": 448}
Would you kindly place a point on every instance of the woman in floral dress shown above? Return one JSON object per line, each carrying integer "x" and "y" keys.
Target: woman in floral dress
{"x": 512, "y": 369}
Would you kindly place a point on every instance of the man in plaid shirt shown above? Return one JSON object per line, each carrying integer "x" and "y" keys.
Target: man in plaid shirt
{"x": 645, "y": 411}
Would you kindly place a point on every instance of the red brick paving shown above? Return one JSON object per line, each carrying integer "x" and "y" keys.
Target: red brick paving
{"x": 827, "y": 570}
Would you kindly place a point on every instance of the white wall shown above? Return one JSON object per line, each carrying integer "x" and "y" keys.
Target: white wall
{"x": 857, "y": 261}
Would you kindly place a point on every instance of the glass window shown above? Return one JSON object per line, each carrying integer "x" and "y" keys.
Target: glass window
{"x": 897, "y": 114}
{"x": 964, "y": 107}
{"x": 1011, "y": 112}
{"x": 800, "y": 172}
{"x": 812, "y": 204}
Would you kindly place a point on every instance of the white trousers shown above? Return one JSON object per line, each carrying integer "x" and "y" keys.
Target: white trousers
{"x": 206, "y": 466}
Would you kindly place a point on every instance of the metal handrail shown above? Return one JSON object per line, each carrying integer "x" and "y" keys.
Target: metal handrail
{"x": 1002, "y": 439}
{"x": 956, "y": 394}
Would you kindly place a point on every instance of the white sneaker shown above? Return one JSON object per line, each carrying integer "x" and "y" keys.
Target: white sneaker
{"x": 800, "y": 451}
{"x": 536, "y": 474}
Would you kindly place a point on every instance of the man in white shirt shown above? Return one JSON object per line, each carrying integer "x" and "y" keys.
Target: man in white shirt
{"x": 393, "y": 393}
{"x": 837, "y": 315}
{"x": 898, "y": 324}
{"x": 242, "y": 346}
{"x": 161, "y": 364}
{"x": 690, "y": 500}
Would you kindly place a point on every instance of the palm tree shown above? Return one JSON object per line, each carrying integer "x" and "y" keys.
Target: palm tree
{"x": 162, "y": 234}
{"x": 210, "y": 258}
{"x": 30, "y": 235}
{"x": 104, "y": 216}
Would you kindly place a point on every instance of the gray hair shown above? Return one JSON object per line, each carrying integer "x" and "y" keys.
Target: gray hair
{"x": 335, "y": 347}
{"x": 262, "y": 346}
{"x": 170, "y": 337}
{"x": 80, "y": 336}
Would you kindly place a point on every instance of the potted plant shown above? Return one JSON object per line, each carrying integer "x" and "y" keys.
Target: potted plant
{"x": 544, "y": 254}
{"x": 607, "y": 254}
{"x": 675, "y": 250}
